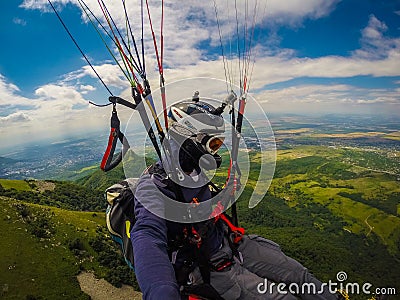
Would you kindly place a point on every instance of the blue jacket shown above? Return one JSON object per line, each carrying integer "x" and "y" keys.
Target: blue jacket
{"x": 151, "y": 233}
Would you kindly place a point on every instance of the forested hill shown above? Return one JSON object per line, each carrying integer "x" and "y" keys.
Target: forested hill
{"x": 61, "y": 194}
{"x": 100, "y": 180}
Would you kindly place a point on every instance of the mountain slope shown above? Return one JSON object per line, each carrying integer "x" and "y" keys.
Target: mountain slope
{"x": 133, "y": 165}
{"x": 44, "y": 248}
{"x": 101, "y": 180}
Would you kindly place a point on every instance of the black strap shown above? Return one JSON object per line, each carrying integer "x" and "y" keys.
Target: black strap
{"x": 203, "y": 256}
{"x": 108, "y": 162}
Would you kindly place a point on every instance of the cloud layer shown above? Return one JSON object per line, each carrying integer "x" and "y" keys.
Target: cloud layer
{"x": 62, "y": 106}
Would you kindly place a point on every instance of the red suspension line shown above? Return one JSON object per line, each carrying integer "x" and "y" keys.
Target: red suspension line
{"x": 160, "y": 58}
{"x": 159, "y": 62}
{"x": 161, "y": 33}
{"x": 120, "y": 49}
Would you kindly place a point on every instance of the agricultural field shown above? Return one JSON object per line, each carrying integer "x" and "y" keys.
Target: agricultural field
{"x": 367, "y": 199}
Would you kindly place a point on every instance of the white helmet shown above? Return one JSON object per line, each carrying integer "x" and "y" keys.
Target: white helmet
{"x": 198, "y": 127}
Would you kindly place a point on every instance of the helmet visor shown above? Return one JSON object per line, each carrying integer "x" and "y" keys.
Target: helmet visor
{"x": 214, "y": 143}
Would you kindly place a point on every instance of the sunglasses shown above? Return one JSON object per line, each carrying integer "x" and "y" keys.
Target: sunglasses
{"x": 210, "y": 143}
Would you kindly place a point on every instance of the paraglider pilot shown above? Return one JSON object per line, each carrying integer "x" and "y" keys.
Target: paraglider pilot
{"x": 176, "y": 258}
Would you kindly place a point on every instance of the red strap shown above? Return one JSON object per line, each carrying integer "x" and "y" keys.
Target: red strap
{"x": 218, "y": 210}
{"x": 237, "y": 231}
{"x": 109, "y": 162}
{"x": 196, "y": 238}
{"x": 112, "y": 140}
{"x": 242, "y": 104}
{"x": 218, "y": 213}
{"x": 224, "y": 265}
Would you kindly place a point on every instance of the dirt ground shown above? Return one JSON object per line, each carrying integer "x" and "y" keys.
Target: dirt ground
{"x": 99, "y": 289}
{"x": 42, "y": 185}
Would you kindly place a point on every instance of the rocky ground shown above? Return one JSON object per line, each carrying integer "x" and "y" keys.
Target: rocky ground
{"x": 99, "y": 289}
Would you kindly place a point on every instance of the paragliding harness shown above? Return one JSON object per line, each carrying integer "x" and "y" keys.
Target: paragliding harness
{"x": 120, "y": 219}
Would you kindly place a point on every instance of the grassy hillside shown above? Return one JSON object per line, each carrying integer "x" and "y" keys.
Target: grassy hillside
{"x": 44, "y": 248}
{"x": 101, "y": 180}
{"x": 37, "y": 267}
{"x": 62, "y": 194}
{"x": 19, "y": 185}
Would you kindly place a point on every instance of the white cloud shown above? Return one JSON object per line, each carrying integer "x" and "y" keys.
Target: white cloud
{"x": 15, "y": 117}
{"x": 19, "y": 21}
{"x": 54, "y": 92}
{"x": 330, "y": 98}
{"x": 190, "y": 23}
{"x": 54, "y": 110}
{"x": 58, "y": 102}
{"x": 294, "y": 11}
{"x": 35, "y": 4}
{"x": 9, "y": 96}
{"x": 84, "y": 89}
{"x": 304, "y": 94}
{"x": 380, "y": 100}
{"x": 375, "y": 45}
{"x": 378, "y": 56}
{"x": 109, "y": 73}
{"x": 6, "y": 86}
{"x": 285, "y": 66}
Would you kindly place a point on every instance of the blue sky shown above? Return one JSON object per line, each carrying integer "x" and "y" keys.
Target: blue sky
{"x": 312, "y": 56}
